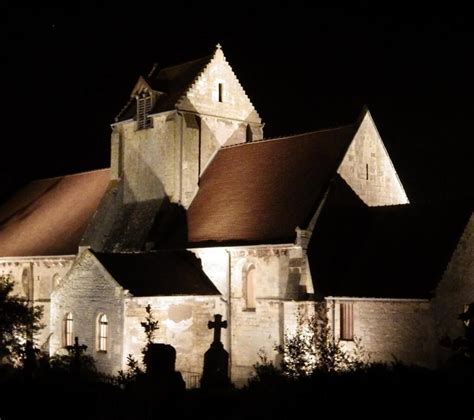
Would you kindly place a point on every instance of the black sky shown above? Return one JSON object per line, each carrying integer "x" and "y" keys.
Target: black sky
{"x": 67, "y": 73}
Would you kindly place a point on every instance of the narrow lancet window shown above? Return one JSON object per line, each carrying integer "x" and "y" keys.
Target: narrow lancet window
{"x": 102, "y": 328}
{"x": 347, "y": 322}
{"x": 248, "y": 134}
{"x": 221, "y": 92}
{"x": 68, "y": 330}
{"x": 249, "y": 284}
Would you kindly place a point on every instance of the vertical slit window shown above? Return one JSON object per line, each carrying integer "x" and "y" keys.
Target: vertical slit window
{"x": 103, "y": 332}
{"x": 347, "y": 322}
{"x": 250, "y": 296}
{"x": 221, "y": 92}
{"x": 68, "y": 330}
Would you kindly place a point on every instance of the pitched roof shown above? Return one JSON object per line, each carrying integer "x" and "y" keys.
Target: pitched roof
{"x": 163, "y": 273}
{"x": 49, "y": 216}
{"x": 260, "y": 192}
{"x": 384, "y": 252}
{"x": 170, "y": 83}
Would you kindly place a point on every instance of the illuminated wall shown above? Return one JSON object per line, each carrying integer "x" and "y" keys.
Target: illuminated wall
{"x": 389, "y": 329}
{"x": 88, "y": 291}
{"x": 368, "y": 169}
{"x": 35, "y": 278}
{"x": 182, "y": 323}
{"x": 281, "y": 277}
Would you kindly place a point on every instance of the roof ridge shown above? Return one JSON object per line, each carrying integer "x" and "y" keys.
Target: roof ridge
{"x": 194, "y": 81}
{"x": 69, "y": 175}
{"x": 184, "y": 63}
{"x": 289, "y": 136}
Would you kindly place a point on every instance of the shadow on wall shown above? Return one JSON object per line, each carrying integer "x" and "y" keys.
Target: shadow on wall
{"x": 170, "y": 227}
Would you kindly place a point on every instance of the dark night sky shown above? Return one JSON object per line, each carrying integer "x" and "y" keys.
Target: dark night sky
{"x": 67, "y": 73}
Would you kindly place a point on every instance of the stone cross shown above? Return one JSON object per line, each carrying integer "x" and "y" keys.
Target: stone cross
{"x": 217, "y": 324}
{"x": 77, "y": 349}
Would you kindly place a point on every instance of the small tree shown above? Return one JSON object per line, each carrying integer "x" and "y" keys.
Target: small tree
{"x": 312, "y": 348}
{"x": 19, "y": 322}
{"x": 463, "y": 346}
{"x": 150, "y": 326}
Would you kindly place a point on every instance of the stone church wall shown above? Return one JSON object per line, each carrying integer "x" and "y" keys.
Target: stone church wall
{"x": 281, "y": 276}
{"x": 455, "y": 291}
{"x": 368, "y": 169}
{"x": 183, "y": 323}
{"x": 87, "y": 292}
{"x": 389, "y": 330}
{"x": 147, "y": 159}
{"x": 35, "y": 278}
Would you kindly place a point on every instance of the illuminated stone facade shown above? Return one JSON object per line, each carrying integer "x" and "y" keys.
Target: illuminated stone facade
{"x": 260, "y": 286}
{"x": 36, "y": 278}
{"x": 367, "y": 168}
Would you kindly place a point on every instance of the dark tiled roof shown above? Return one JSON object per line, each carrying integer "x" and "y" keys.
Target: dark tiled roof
{"x": 49, "y": 216}
{"x": 260, "y": 192}
{"x": 384, "y": 252}
{"x": 163, "y": 273}
{"x": 171, "y": 83}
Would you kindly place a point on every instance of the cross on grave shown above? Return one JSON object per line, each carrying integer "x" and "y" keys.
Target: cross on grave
{"x": 217, "y": 325}
{"x": 77, "y": 349}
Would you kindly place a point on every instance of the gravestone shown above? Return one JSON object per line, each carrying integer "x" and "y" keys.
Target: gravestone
{"x": 160, "y": 360}
{"x": 216, "y": 359}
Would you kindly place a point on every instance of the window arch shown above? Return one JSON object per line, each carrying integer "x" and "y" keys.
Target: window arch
{"x": 248, "y": 134}
{"x": 68, "y": 330}
{"x": 102, "y": 332}
{"x": 55, "y": 280}
{"x": 249, "y": 288}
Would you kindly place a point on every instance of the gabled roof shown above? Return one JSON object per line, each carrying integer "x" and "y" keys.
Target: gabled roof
{"x": 170, "y": 84}
{"x": 163, "y": 273}
{"x": 49, "y": 216}
{"x": 383, "y": 252}
{"x": 260, "y": 192}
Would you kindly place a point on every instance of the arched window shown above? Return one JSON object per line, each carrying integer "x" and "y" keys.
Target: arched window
{"x": 102, "y": 329}
{"x": 27, "y": 282}
{"x": 56, "y": 279}
{"x": 68, "y": 330}
{"x": 249, "y": 289}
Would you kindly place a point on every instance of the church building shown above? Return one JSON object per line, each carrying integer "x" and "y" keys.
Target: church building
{"x": 199, "y": 214}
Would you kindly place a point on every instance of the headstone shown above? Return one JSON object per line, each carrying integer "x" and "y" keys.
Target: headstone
{"x": 216, "y": 359}
{"x": 160, "y": 360}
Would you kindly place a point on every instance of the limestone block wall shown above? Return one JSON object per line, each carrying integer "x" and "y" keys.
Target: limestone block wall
{"x": 183, "y": 323}
{"x": 389, "y": 329}
{"x": 229, "y": 100}
{"x": 169, "y": 157}
{"x": 35, "y": 278}
{"x": 455, "y": 290}
{"x": 146, "y": 159}
{"x": 367, "y": 168}
{"x": 281, "y": 276}
{"x": 88, "y": 291}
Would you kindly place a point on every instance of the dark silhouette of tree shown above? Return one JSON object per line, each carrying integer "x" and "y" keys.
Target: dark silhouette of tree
{"x": 19, "y": 323}
{"x": 133, "y": 372}
{"x": 463, "y": 346}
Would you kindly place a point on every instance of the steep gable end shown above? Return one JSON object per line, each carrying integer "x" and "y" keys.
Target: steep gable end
{"x": 218, "y": 92}
{"x": 368, "y": 169}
